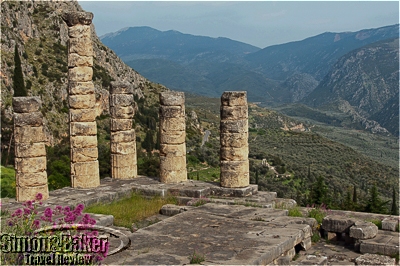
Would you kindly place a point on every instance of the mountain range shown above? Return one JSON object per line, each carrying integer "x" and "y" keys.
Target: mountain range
{"x": 276, "y": 75}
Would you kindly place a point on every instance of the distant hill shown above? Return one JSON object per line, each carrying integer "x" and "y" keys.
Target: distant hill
{"x": 148, "y": 43}
{"x": 276, "y": 74}
{"x": 365, "y": 84}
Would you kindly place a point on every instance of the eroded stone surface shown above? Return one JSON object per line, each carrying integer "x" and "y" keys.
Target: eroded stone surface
{"x": 26, "y": 104}
{"x": 363, "y": 230}
{"x": 390, "y": 223}
{"x": 338, "y": 224}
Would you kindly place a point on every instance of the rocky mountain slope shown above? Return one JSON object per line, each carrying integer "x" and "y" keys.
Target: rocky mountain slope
{"x": 40, "y": 34}
{"x": 364, "y": 84}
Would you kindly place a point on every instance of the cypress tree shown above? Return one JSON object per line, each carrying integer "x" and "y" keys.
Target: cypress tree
{"x": 354, "y": 195}
{"x": 19, "y": 85}
{"x": 395, "y": 208}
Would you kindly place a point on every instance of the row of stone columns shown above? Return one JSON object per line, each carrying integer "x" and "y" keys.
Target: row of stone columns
{"x": 30, "y": 153}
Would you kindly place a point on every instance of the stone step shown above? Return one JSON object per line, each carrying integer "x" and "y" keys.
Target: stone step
{"x": 385, "y": 243}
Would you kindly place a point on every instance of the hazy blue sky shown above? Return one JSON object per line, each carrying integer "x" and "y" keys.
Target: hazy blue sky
{"x": 260, "y": 23}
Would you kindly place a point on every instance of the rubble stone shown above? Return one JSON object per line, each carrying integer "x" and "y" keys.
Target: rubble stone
{"x": 363, "y": 230}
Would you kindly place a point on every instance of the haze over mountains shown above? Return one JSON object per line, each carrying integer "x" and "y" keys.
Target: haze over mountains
{"x": 275, "y": 75}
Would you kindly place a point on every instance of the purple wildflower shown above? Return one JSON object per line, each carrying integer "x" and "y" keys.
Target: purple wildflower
{"x": 27, "y": 211}
{"x": 36, "y": 224}
{"x": 39, "y": 196}
{"x": 70, "y": 217}
{"x": 17, "y": 213}
{"x": 78, "y": 209}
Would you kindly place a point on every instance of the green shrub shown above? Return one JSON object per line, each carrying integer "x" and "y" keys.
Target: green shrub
{"x": 295, "y": 212}
{"x": 7, "y": 182}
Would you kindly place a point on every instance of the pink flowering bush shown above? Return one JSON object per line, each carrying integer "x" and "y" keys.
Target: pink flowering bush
{"x": 27, "y": 221}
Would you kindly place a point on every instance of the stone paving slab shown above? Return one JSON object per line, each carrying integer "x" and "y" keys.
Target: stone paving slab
{"x": 385, "y": 243}
{"x": 223, "y": 234}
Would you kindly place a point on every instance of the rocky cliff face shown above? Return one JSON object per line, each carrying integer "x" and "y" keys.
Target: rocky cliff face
{"x": 365, "y": 84}
{"x": 41, "y": 36}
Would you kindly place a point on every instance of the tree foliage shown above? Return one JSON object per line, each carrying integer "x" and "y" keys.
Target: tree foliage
{"x": 18, "y": 82}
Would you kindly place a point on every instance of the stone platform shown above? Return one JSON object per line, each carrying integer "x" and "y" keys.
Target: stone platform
{"x": 228, "y": 235}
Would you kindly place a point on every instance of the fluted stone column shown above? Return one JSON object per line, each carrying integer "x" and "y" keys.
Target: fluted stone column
{"x": 82, "y": 99}
{"x": 172, "y": 137}
{"x": 234, "y": 161}
{"x": 30, "y": 151}
{"x": 123, "y": 138}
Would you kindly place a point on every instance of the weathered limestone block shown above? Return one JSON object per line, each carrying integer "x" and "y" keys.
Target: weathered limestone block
{"x": 30, "y": 165}
{"x": 173, "y": 150}
{"x": 124, "y": 148}
{"x": 374, "y": 259}
{"x": 127, "y": 172}
{"x": 80, "y": 88}
{"x": 306, "y": 243}
{"x": 83, "y": 141}
{"x": 173, "y": 124}
{"x": 172, "y": 137}
{"x": 33, "y": 149}
{"x": 176, "y": 176}
{"x": 26, "y": 104}
{"x": 235, "y": 174}
{"x": 76, "y": 60}
{"x": 390, "y": 223}
{"x": 123, "y": 160}
{"x": 122, "y": 112}
{"x": 84, "y": 154}
{"x": 120, "y": 100}
{"x": 234, "y": 140}
{"x": 79, "y": 31}
{"x": 80, "y": 74}
{"x": 121, "y": 124}
{"x": 234, "y": 112}
{"x": 234, "y": 154}
{"x": 234, "y": 98}
{"x": 83, "y": 128}
{"x": 232, "y": 179}
{"x": 29, "y": 193}
{"x": 73, "y": 18}
{"x": 121, "y": 87}
{"x": 338, "y": 224}
{"x": 86, "y": 101}
{"x": 33, "y": 119}
{"x": 234, "y": 126}
{"x": 82, "y": 115}
{"x": 123, "y": 136}
{"x": 171, "y": 162}
{"x": 172, "y": 111}
{"x": 172, "y": 98}
{"x": 172, "y": 209}
{"x": 363, "y": 230}
{"x": 28, "y": 134}
{"x": 86, "y": 181}
{"x": 84, "y": 168}
{"x": 31, "y": 179}
{"x": 81, "y": 46}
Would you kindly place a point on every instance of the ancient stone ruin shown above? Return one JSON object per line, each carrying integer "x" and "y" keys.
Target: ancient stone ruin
{"x": 172, "y": 137}
{"x": 30, "y": 151}
{"x": 234, "y": 161}
{"x": 123, "y": 138}
{"x": 82, "y": 99}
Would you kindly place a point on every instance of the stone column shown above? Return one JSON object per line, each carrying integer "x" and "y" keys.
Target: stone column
{"x": 30, "y": 151}
{"x": 234, "y": 161}
{"x": 82, "y": 99}
{"x": 123, "y": 138}
{"x": 172, "y": 137}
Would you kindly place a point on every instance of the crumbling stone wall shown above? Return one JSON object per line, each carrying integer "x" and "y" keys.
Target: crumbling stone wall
{"x": 82, "y": 99}
{"x": 172, "y": 137}
{"x": 234, "y": 149}
{"x": 30, "y": 151}
{"x": 123, "y": 138}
